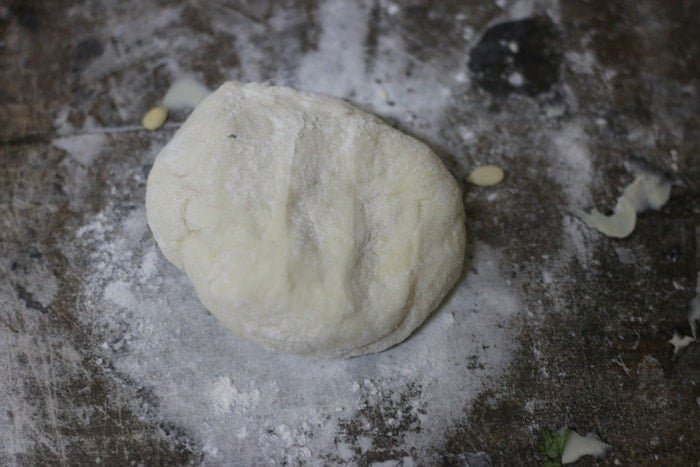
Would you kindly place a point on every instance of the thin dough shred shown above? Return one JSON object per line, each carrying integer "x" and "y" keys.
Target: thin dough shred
{"x": 645, "y": 192}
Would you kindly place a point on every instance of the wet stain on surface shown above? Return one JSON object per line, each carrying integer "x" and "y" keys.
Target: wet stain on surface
{"x": 518, "y": 57}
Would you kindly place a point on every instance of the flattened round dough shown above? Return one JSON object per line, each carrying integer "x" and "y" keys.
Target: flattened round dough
{"x": 305, "y": 224}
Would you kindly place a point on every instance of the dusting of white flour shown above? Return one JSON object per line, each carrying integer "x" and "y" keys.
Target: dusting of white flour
{"x": 235, "y": 397}
{"x": 237, "y": 401}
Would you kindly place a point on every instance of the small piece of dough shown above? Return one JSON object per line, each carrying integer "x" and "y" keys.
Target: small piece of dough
{"x": 619, "y": 225}
{"x": 645, "y": 192}
{"x": 680, "y": 342}
{"x": 185, "y": 93}
{"x": 155, "y": 118}
{"x": 486, "y": 175}
{"x": 578, "y": 446}
{"x": 305, "y": 224}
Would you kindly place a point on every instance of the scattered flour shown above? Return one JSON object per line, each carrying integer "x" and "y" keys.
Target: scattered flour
{"x": 337, "y": 68}
{"x": 38, "y": 281}
{"x": 571, "y": 164}
{"x": 32, "y": 362}
{"x": 392, "y": 8}
{"x": 516, "y": 79}
{"x": 235, "y": 398}
{"x": 340, "y": 67}
{"x": 582, "y": 62}
{"x": 227, "y": 398}
{"x": 83, "y": 148}
{"x": 236, "y": 401}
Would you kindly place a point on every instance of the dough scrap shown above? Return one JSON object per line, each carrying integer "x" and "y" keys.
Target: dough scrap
{"x": 486, "y": 175}
{"x": 647, "y": 191}
{"x": 155, "y": 118}
{"x": 578, "y": 446}
{"x": 305, "y": 224}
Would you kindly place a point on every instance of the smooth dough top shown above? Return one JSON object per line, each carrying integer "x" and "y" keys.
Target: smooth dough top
{"x": 305, "y": 224}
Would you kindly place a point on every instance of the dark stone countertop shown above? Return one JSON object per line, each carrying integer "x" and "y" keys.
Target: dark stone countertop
{"x": 101, "y": 342}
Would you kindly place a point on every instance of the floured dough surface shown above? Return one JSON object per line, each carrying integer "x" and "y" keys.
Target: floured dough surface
{"x": 305, "y": 224}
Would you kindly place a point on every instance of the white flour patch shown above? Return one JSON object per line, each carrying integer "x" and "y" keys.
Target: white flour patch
{"x": 83, "y": 148}
{"x": 32, "y": 364}
{"x": 579, "y": 239}
{"x": 572, "y": 165}
{"x": 227, "y": 398}
{"x": 582, "y": 62}
{"x": 14, "y": 426}
{"x": 516, "y": 79}
{"x": 149, "y": 264}
{"x": 37, "y": 280}
{"x": 119, "y": 293}
{"x": 244, "y": 403}
{"x": 338, "y": 67}
{"x": 235, "y": 400}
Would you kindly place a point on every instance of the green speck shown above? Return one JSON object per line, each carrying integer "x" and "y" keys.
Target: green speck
{"x": 233, "y": 136}
{"x": 552, "y": 444}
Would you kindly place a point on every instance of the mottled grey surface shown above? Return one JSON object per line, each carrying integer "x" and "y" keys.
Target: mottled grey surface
{"x": 591, "y": 92}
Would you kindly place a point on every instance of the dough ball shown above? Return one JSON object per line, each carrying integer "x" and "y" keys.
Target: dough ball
{"x": 305, "y": 224}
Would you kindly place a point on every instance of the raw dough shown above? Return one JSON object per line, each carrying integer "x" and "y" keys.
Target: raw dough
{"x": 305, "y": 224}
{"x": 647, "y": 191}
{"x": 155, "y": 118}
{"x": 578, "y": 446}
{"x": 486, "y": 175}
